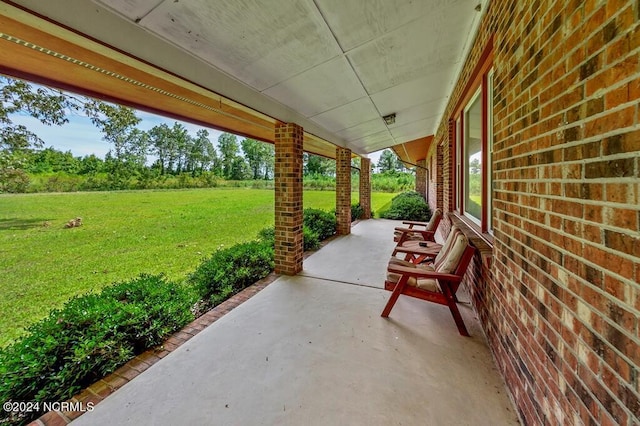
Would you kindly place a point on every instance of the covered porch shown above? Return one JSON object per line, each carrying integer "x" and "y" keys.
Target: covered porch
{"x": 313, "y": 349}
{"x": 534, "y": 105}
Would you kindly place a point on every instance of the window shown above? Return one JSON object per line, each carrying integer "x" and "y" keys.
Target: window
{"x": 458, "y": 160}
{"x": 472, "y": 159}
{"x": 489, "y": 159}
{"x": 473, "y": 152}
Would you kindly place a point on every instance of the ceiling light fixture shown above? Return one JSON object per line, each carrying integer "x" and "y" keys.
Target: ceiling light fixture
{"x": 389, "y": 119}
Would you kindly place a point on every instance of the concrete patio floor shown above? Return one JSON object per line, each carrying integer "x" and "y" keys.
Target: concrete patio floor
{"x": 312, "y": 349}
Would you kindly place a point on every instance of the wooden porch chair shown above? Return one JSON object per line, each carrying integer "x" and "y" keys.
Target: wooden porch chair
{"x": 402, "y": 234}
{"x": 423, "y": 251}
{"x": 436, "y": 283}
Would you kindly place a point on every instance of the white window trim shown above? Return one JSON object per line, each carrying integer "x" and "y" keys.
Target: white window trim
{"x": 463, "y": 160}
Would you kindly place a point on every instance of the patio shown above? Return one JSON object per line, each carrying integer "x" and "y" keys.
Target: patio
{"x": 313, "y": 349}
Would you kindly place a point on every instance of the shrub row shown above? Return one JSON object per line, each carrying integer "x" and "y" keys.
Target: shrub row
{"x": 230, "y": 270}
{"x": 90, "y": 337}
{"x": 18, "y": 181}
{"x": 408, "y": 206}
{"x": 318, "y": 225}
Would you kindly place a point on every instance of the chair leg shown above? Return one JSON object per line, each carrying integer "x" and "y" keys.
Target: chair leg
{"x": 394, "y": 296}
{"x": 451, "y": 303}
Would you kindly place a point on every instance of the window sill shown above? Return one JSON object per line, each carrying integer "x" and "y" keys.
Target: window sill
{"x": 482, "y": 242}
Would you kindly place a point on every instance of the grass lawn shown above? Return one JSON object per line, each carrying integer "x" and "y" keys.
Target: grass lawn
{"x": 124, "y": 234}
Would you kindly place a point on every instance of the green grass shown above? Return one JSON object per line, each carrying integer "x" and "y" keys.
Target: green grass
{"x": 123, "y": 234}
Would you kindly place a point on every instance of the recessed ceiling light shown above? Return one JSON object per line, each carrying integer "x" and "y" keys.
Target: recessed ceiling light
{"x": 389, "y": 119}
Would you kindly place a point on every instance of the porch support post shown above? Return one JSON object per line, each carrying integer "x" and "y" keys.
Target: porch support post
{"x": 421, "y": 178}
{"x": 288, "y": 198}
{"x": 343, "y": 190}
{"x": 365, "y": 187}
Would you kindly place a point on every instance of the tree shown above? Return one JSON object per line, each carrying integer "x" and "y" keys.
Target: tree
{"x": 269, "y": 161}
{"x": 228, "y": 146}
{"x": 215, "y": 163}
{"x": 387, "y": 161}
{"x": 49, "y": 106}
{"x": 160, "y": 142}
{"x": 475, "y": 166}
{"x": 90, "y": 165}
{"x": 51, "y": 160}
{"x": 182, "y": 142}
{"x": 259, "y": 155}
{"x": 118, "y": 125}
{"x": 317, "y": 165}
{"x": 240, "y": 170}
{"x": 202, "y": 153}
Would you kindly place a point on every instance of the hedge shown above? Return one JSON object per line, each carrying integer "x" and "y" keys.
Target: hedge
{"x": 232, "y": 269}
{"x": 90, "y": 337}
{"x": 408, "y": 206}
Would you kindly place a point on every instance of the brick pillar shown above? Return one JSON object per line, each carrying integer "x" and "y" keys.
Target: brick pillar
{"x": 343, "y": 190}
{"x": 365, "y": 187}
{"x": 421, "y": 178}
{"x": 288, "y": 198}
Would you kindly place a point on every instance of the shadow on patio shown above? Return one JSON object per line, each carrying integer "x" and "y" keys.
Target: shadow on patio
{"x": 313, "y": 349}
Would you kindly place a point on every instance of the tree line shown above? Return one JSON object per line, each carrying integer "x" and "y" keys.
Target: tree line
{"x": 136, "y": 155}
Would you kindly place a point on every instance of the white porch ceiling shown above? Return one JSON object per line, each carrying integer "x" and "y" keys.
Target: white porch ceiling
{"x": 333, "y": 66}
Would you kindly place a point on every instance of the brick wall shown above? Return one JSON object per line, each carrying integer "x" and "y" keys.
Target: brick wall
{"x": 288, "y": 198}
{"x": 421, "y": 178}
{"x": 365, "y": 187}
{"x": 436, "y": 188}
{"x": 558, "y": 295}
{"x": 343, "y": 190}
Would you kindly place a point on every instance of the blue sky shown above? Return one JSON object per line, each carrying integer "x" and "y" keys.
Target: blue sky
{"x": 82, "y": 138}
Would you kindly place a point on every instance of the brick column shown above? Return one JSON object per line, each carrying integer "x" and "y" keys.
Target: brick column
{"x": 421, "y": 178}
{"x": 343, "y": 190}
{"x": 365, "y": 187}
{"x": 288, "y": 198}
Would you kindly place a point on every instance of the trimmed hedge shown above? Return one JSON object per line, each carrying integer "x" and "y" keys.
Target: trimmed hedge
{"x": 357, "y": 211}
{"x": 408, "y": 206}
{"x": 321, "y": 222}
{"x": 310, "y": 239}
{"x": 318, "y": 225}
{"x": 232, "y": 269}
{"x": 90, "y": 337}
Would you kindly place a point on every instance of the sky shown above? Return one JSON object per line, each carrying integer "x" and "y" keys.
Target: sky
{"x": 82, "y": 138}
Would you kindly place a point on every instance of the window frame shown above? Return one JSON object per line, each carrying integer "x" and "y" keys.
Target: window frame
{"x": 463, "y": 162}
{"x": 481, "y": 80}
{"x": 488, "y": 160}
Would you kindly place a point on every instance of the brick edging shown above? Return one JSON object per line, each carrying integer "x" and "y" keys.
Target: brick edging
{"x": 104, "y": 387}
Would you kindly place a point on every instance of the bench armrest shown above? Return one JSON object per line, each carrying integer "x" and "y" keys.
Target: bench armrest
{"x": 422, "y": 273}
{"x": 416, "y": 223}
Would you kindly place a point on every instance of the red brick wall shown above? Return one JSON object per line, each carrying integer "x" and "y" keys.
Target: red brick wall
{"x": 421, "y": 178}
{"x": 365, "y": 187}
{"x": 288, "y": 198}
{"x": 436, "y": 187}
{"x": 343, "y": 190}
{"x": 558, "y": 295}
